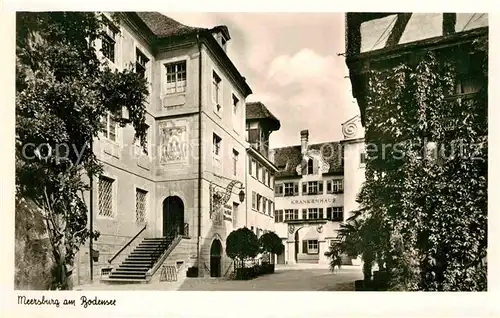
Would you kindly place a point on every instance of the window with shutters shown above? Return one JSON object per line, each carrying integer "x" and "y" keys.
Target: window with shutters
{"x": 312, "y": 214}
{"x": 312, "y": 247}
{"x": 254, "y": 200}
{"x": 140, "y": 205}
{"x": 335, "y": 214}
{"x": 312, "y": 188}
{"x": 105, "y": 197}
{"x": 278, "y": 189}
{"x": 278, "y": 216}
{"x": 289, "y": 189}
{"x": 176, "y": 77}
{"x": 291, "y": 214}
{"x": 335, "y": 186}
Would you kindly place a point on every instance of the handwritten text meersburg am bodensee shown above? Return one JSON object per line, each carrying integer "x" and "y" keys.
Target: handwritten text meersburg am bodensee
{"x": 84, "y": 301}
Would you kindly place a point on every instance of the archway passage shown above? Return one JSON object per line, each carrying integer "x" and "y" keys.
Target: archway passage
{"x": 215, "y": 258}
{"x": 173, "y": 215}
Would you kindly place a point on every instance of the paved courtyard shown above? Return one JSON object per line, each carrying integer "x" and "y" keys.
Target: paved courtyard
{"x": 286, "y": 278}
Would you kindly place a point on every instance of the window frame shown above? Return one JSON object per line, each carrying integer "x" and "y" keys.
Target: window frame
{"x": 217, "y": 92}
{"x": 216, "y": 145}
{"x": 113, "y": 203}
{"x": 179, "y": 85}
{"x": 145, "y": 204}
{"x": 312, "y": 247}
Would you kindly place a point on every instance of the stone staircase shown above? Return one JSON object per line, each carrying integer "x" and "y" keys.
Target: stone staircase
{"x": 141, "y": 260}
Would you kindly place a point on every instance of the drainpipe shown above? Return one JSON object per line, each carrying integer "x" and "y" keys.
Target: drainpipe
{"x": 200, "y": 167}
{"x": 91, "y": 214}
{"x": 247, "y": 188}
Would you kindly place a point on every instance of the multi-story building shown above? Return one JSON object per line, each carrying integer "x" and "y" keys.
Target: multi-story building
{"x": 190, "y": 181}
{"x": 260, "y": 123}
{"x": 315, "y": 190}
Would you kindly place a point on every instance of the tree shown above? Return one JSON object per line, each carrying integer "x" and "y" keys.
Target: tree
{"x": 242, "y": 244}
{"x": 270, "y": 242}
{"x": 63, "y": 90}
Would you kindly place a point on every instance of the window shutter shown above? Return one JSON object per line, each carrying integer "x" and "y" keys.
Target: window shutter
{"x": 329, "y": 213}
{"x": 304, "y": 188}
{"x": 296, "y": 214}
{"x": 320, "y": 216}
{"x": 304, "y": 246}
{"x": 320, "y": 187}
{"x": 328, "y": 186}
{"x": 296, "y": 188}
{"x": 304, "y": 214}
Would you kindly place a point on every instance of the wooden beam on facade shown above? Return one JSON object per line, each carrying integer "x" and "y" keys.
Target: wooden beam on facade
{"x": 398, "y": 29}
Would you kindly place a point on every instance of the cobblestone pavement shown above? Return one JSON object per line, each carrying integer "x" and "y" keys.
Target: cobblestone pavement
{"x": 303, "y": 277}
{"x": 285, "y": 278}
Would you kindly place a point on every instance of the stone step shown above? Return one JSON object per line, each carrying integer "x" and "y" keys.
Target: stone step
{"x": 131, "y": 269}
{"x": 108, "y": 280}
{"x": 128, "y": 275}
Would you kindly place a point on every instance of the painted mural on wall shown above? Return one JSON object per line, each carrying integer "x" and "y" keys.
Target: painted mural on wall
{"x": 173, "y": 142}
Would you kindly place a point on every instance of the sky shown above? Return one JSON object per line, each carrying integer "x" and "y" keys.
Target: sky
{"x": 291, "y": 62}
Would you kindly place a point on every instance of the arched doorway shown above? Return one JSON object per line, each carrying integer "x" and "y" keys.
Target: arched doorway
{"x": 215, "y": 258}
{"x": 173, "y": 215}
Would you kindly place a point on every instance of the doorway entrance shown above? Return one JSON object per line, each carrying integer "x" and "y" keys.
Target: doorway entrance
{"x": 215, "y": 258}
{"x": 173, "y": 216}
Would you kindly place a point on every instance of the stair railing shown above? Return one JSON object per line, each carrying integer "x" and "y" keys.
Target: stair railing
{"x": 228, "y": 268}
{"x": 126, "y": 245}
{"x": 169, "y": 239}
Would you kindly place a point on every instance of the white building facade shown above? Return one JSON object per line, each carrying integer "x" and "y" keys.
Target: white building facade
{"x": 316, "y": 188}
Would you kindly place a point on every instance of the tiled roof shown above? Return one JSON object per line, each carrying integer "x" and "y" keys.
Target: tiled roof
{"x": 163, "y": 26}
{"x": 286, "y": 159}
{"x": 257, "y": 110}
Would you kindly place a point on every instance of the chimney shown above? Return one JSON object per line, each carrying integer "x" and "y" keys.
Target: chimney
{"x": 304, "y": 138}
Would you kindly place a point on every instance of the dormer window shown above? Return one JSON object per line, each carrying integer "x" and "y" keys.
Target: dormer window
{"x": 310, "y": 166}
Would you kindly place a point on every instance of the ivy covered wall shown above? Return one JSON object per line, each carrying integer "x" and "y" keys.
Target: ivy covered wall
{"x": 426, "y": 173}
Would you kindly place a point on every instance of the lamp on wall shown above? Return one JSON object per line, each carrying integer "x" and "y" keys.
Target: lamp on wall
{"x": 241, "y": 195}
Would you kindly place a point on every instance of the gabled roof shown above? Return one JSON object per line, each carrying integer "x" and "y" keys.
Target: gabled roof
{"x": 163, "y": 26}
{"x": 286, "y": 159}
{"x": 162, "y": 30}
{"x": 258, "y": 111}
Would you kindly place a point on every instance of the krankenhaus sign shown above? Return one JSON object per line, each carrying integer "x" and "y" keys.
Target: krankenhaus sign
{"x": 313, "y": 201}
